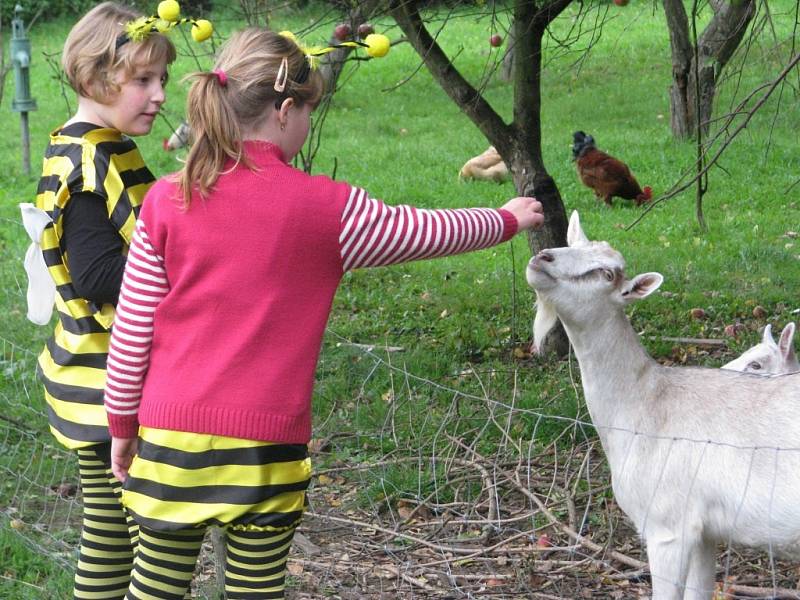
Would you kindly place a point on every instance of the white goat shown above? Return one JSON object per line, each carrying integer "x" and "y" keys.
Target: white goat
{"x": 769, "y": 358}
{"x": 698, "y": 456}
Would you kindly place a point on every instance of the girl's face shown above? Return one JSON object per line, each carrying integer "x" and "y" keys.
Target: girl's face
{"x": 297, "y": 125}
{"x": 134, "y": 109}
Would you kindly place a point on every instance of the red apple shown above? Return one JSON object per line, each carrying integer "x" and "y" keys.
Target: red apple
{"x": 365, "y": 29}
{"x": 496, "y": 40}
{"x": 342, "y": 32}
{"x": 621, "y": 2}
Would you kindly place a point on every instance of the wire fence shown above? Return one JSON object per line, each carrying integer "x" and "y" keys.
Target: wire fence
{"x": 457, "y": 502}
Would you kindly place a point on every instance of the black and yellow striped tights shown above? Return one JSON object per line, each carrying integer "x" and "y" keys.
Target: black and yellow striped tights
{"x": 109, "y": 535}
{"x": 255, "y": 564}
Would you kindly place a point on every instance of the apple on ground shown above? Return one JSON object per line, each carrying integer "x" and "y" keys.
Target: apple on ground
{"x": 496, "y": 40}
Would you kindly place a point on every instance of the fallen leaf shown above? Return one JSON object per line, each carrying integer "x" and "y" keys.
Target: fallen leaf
{"x": 404, "y": 509}
{"x": 295, "y": 568}
{"x": 521, "y": 352}
{"x": 317, "y": 445}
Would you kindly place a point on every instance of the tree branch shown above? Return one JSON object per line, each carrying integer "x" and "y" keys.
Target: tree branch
{"x": 723, "y": 34}
{"x": 466, "y": 97}
{"x": 678, "y": 187}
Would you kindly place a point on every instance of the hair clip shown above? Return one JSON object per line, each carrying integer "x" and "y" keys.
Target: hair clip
{"x": 166, "y": 20}
{"x": 283, "y": 75}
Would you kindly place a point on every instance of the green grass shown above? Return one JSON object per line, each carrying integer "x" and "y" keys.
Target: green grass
{"x": 462, "y": 321}
{"x": 26, "y": 573}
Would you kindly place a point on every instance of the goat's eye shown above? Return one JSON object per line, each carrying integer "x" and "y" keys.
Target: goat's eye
{"x": 756, "y": 366}
{"x": 608, "y": 274}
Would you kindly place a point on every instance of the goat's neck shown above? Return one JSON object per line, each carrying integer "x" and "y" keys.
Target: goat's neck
{"x": 614, "y": 365}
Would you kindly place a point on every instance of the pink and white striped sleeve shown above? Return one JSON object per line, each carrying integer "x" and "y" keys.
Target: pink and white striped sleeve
{"x": 144, "y": 285}
{"x": 374, "y": 234}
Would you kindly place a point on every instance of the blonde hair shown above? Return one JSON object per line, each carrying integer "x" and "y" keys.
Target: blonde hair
{"x": 93, "y": 57}
{"x": 220, "y": 107}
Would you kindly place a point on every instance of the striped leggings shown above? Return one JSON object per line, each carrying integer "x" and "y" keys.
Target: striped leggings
{"x": 255, "y": 566}
{"x": 108, "y": 536}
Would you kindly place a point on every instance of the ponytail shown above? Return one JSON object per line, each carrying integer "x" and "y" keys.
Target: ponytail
{"x": 216, "y": 135}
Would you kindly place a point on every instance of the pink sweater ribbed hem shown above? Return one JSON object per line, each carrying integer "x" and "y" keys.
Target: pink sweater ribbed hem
{"x": 236, "y": 422}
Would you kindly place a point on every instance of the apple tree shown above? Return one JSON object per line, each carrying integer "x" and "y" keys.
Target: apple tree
{"x": 520, "y": 141}
{"x": 698, "y": 61}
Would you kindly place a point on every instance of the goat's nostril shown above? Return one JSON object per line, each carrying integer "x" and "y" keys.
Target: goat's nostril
{"x": 545, "y": 256}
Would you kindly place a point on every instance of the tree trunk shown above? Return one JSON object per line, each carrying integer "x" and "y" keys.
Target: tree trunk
{"x": 519, "y": 143}
{"x": 715, "y": 46}
{"x": 507, "y": 69}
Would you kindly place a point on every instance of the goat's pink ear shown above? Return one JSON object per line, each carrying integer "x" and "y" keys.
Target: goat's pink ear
{"x": 641, "y": 286}
{"x": 575, "y": 235}
{"x": 785, "y": 343}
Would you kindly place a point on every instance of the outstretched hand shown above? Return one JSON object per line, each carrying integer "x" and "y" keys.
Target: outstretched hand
{"x": 122, "y": 452}
{"x": 527, "y": 210}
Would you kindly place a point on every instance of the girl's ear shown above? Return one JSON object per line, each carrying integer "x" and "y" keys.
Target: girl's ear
{"x": 283, "y": 113}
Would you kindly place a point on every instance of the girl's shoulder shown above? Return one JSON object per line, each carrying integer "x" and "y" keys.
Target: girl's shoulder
{"x": 165, "y": 192}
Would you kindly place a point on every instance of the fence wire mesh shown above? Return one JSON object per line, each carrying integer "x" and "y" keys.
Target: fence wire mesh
{"x": 456, "y": 502}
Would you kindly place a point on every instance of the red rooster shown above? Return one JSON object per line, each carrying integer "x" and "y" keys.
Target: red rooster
{"x": 606, "y": 175}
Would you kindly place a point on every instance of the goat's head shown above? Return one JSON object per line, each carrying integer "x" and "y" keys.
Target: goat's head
{"x": 769, "y": 358}
{"x": 582, "y": 283}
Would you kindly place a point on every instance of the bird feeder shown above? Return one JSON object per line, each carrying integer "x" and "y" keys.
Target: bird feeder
{"x": 22, "y": 102}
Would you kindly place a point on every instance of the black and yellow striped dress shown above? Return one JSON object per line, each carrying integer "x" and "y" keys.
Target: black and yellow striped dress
{"x": 83, "y": 158}
{"x": 182, "y": 480}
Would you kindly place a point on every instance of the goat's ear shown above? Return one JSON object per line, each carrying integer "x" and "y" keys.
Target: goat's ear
{"x": 785, "y": 343}
{"x": 767, "y": 337}
{"x": 641, "y": 286}
{"x": 575, "y": 235}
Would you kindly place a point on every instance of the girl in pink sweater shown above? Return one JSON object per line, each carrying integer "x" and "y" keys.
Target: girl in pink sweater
{"x": 226, "y": 294}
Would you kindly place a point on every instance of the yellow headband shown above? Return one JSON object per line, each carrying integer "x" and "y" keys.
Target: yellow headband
{"x": 168, "y": 17}
{"x": 376, "y": 45}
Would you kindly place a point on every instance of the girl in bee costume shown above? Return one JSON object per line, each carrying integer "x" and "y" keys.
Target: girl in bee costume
{"x": 92, "y": 185}
{"x": 224, "y": 301}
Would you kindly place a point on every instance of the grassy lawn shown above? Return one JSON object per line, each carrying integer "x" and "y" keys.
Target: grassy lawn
{"x": 458, "y": 329}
